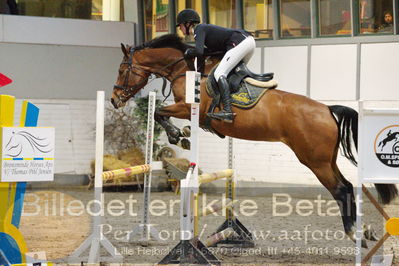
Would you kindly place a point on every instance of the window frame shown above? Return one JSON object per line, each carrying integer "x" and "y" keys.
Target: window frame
{"x": 276, "y": 8}
{"x": 280, "y": 37}
{"x": 356, "y": 20}
{"x": 274, "y": 20}
{"x": 317, "y": 30}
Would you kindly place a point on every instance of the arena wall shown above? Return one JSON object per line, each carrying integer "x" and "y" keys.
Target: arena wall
{"x": 50, "y": 58}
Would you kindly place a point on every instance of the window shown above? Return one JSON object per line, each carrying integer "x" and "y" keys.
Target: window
{"x": 222, "y": 13}
{"x": 334, "y": 17}
{"x": 375, "y": 16}
{"x": 258, "y": 18}
{"x": 156, "y": 18}
{"x": 295, "y": 18}
{"x": 193, "y": 4}
{"x": 79, "y": 9}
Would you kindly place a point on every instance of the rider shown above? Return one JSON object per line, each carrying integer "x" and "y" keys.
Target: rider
{"x": 237, "y": 44}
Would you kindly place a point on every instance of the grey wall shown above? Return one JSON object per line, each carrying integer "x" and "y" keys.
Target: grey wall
{"x": 58, "y": 72}
{"x": 52, "y": 58}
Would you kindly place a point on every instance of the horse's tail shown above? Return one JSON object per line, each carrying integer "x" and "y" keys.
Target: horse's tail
{"x": 347, "y": 122}
{"x": 347, "y": 119}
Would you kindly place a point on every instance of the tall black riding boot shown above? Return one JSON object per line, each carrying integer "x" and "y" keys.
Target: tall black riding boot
{"x": 226, "y": 114}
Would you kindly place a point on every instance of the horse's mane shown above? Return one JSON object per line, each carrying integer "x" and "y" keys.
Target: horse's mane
{"x": 165, "y": 41}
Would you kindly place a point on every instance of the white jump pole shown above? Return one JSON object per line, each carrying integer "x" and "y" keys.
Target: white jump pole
{"x": 190, "y": 250}
{"x": 94, "y": 242}
{"x": 146, "y": 230}
{"x": 189, "y": 185}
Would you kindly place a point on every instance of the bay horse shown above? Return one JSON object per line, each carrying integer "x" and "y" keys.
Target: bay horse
{"x": 311, "y": 129}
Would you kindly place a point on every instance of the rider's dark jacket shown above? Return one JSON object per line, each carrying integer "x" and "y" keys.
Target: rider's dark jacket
{"x": 216, "y": 39}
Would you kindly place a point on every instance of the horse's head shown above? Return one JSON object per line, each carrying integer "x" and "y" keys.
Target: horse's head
{"x": 131, "y": 78}
{"x": 162, "y": 56}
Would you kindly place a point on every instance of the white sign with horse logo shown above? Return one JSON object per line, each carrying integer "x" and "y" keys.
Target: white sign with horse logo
{"x": 27, "y": 154}
{"x": 379, "y": 145}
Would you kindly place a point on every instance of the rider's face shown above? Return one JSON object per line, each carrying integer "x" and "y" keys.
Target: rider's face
{"x": 182, "y": 27}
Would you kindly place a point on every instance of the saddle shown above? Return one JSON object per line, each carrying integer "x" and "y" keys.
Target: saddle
{"x": 241, "y": 71}
{"x": 246, "y": 87}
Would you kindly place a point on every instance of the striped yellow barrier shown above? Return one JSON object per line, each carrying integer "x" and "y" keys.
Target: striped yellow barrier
{"x": 228, "y": 204}
{"x": 125, "y": 172}
{"x": 206, "y": 178}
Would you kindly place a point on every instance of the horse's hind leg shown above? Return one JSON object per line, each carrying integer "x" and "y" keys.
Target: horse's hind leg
{"x": 342, "y": 191}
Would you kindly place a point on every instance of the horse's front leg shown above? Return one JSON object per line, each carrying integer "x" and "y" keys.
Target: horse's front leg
{"x": 175, "y": 135}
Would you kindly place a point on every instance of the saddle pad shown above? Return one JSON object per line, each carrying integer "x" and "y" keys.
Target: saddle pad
{"x": 244, "y": 97}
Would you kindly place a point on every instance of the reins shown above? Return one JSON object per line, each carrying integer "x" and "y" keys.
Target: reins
{"x": 127, "y": 91}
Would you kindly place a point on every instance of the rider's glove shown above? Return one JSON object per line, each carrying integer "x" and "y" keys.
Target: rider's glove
{"x": 190, "y": 53}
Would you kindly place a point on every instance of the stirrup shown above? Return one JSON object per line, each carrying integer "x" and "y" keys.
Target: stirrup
{"x": 227, "y": 117}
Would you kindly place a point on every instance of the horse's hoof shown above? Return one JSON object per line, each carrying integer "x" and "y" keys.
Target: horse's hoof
{"x": 185, "y": 144}
{"x": 369, "y": 233}
{"x": 172, "y": 132}
{"x": 364, "y": 243}
{"x": 173, "y": 140}
{"x": 186, "y": 131}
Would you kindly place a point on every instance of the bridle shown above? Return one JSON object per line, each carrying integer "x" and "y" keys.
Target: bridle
{"x": 132, "y": 90}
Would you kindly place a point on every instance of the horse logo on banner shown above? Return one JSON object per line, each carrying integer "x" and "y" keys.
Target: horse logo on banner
{"x": 23, "y": 142}
{"x": 386, "y": 146}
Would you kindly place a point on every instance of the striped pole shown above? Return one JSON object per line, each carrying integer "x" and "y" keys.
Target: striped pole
{"x": 125, "y": 172}
{"x": 216, "y": 238}
{"x": 228, "y": 204}
{"x": 206, "y": 178}
{"x": 230, "y": 185}
{"x": 145, "y": 229}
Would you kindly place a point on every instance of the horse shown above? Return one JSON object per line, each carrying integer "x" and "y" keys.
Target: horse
{"x": 312, "y": 130}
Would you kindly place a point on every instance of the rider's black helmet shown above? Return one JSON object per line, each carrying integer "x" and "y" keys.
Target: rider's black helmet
{"x": 187, "y": 15}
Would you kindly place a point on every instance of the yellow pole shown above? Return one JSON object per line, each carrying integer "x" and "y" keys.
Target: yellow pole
{"x": 196, "y": 216}
{"x": 125, "y": 172}
{"x": 8, "y": 189}
{"x": 206, "y": 178}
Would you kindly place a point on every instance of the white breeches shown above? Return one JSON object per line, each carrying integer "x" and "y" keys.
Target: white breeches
{"x": 243, "y": 51}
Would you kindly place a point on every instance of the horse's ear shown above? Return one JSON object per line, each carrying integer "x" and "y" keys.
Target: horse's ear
{"x": 124, "y": 50}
